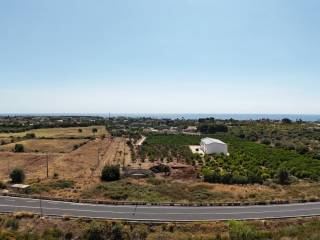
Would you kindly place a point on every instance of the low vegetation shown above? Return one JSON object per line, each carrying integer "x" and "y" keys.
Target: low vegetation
{"x": 30, "y": 226}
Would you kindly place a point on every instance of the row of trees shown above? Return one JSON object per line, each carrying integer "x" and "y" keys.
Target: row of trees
{"x": 282, "y": 177}
{"x": 212, "y": 128}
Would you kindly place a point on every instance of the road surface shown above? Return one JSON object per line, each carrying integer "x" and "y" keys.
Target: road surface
{"x": 157, "y": 213}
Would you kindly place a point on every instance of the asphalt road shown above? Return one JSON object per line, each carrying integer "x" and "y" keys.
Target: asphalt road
{"x": 158, "y": 213}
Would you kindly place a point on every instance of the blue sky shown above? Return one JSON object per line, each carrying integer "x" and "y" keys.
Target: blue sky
{"x": 164, "y": 56}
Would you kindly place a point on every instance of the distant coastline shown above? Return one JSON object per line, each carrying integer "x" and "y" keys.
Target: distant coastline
{"x": 191, "y": 116}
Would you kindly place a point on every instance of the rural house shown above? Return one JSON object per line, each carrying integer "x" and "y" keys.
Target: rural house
{"x": 211, "y": 145}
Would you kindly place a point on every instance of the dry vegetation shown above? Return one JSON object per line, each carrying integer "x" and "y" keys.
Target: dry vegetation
{"x": 33, "y": 164}
{"x": 46, "y": 145}
{"x": 159, "y": 190}
{"x": 59, "y": 132}
{"x": 28, "y": 226}
{"x": 79, "y": 159}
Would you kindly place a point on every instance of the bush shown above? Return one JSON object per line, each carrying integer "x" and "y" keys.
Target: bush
{"x": 110, "y": 173}
{"x": 160, "y": 168}
{"x": 2, "y": 185}
{"x": 18, "y": 148}
{"x": 117, "y": 232}
{"x": 286, "y": 121}
{"x": 266, "y": 141}
{"x": 30, "y": 135}
{"x": 13, "y": 224}
{"x": 52, "y": 233}
{"x": 95, "y": 231}
{"x": 62, "y": 184}
{"x": 242, "y": 231}
{"x": 283, "y": 176}
{"x": 17, "y": 175}
{"x": 68, "y": 236}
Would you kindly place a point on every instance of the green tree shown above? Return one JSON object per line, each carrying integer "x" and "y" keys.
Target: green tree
{"x": 18, "y": 148}
{"x": 17, "y": 175}
{"x": 110, "y": 173}
{"x": 94, "y": 130}
{"x": 286, "y": 121}
{"x": 283, "y": 176}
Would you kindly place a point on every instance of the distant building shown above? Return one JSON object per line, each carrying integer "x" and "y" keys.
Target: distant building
{"x": 211, "y": 145}
{"x": 191, "y": 129}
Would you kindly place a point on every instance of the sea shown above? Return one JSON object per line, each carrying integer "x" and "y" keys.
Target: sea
{"x": 192, "y": 116}
{"x": 236, "y": 116}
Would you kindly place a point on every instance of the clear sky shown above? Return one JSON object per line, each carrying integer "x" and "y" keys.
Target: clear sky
{"x": 160, "y": 56}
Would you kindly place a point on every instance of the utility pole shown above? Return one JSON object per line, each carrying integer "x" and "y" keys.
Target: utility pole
{"x": 135, "y": 209}
{"x": 47, "y": 166}
{"x": 8, "y": 165}
{"x": 40, "y": 201}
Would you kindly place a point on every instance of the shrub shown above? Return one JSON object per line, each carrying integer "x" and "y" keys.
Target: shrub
{"x": 160, "y": 168}
{"x": 117, "y": 232}
{"x": 266, "y": 141}
{"x": 302, "y": 149}
{"x": 30, "y": 135}
{"x": 286, "y": 121}
{"x": 75, "y": 147}
{"x": 52, "y": 233}
{"x": 283, "y": 176}
{"x": 95, "y": 231}
{"x": 20, "y": 215}
{"x": 12, "y": 223}
{"x": 110, "y": 173}
{"x": 2, "y": 185}
{"x": 242, "y": 231}
{"x": 62, "y": 184}
{"x": 68, "y": 236}
{"x": 18, "y": 148}
{"x": 17, "y": 175}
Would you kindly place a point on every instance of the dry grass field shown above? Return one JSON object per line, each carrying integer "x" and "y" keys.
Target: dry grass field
{"x": 4, "y": 140}
{"x": 33, "y": 164}
{"x": 46, "y": 145}
{"x": 79, "y": 159}
{"x": 81, "y": 166}
{"x": 60, "y": 132}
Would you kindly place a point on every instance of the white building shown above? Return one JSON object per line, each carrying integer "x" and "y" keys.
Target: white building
{"x": 211, "y": 145}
